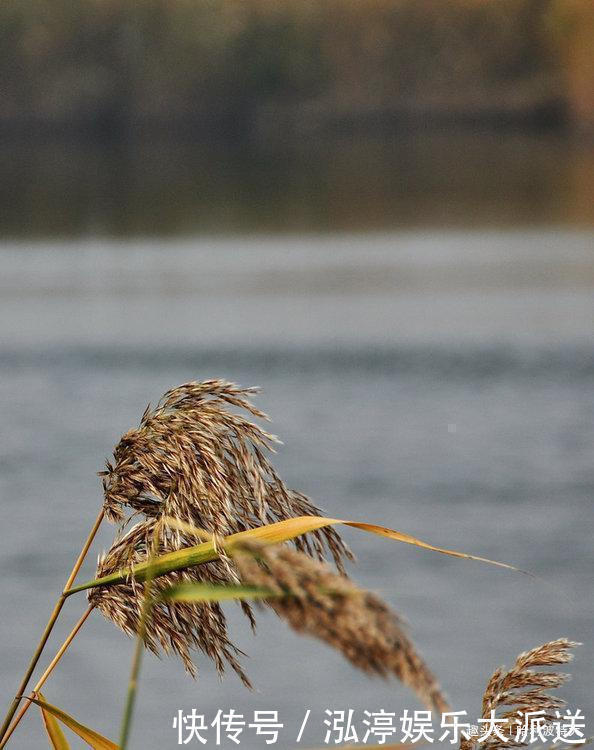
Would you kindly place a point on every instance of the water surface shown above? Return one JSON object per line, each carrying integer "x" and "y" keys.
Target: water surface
{"x": 440, "y": 382}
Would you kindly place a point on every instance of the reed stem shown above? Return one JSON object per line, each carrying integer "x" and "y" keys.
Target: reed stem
{"x": 134, "y": 673}
{"x": 49, "y": 627}
{"x": 139, "y": 647}
{"x": 45, "y": 675}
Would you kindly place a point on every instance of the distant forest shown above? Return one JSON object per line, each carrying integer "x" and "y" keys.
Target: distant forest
{"x": 282, "y": 68}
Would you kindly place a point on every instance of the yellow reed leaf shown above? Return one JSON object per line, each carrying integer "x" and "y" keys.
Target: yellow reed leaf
{"x": 90, "y": 736}
{"x": 273, "y": 533}
{"x": 54, "y": 732}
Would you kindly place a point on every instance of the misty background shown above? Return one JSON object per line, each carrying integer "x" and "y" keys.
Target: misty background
{"x": 381, "y": 213}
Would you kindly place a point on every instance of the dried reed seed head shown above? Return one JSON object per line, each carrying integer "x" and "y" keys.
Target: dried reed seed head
{"x": 194, "y": 459}
{"x": 314, "y": 600}
{"x": 173, "y": 627}
{"x": 522, "y": 689}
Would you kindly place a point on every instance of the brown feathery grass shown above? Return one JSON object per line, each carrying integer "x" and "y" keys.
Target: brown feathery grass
{"x": 173, "y": 627}
{"x": 315, "y": 601}
{"x": 194, "y": 459}
{"x": 309, "y": 595}
{"x": 512, "y": 693}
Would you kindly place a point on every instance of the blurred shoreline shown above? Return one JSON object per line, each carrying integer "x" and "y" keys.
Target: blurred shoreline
{"x": 174, "y": 188}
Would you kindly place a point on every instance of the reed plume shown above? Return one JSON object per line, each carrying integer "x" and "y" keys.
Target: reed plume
{"x": 173, "y": 627}
{"x": 315, "y": 601}
{"x": 510, "y": 694}
{"x": 194, "y": 459}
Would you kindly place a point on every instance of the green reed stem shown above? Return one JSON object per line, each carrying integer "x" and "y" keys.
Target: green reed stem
{"x": 145, "y": 613}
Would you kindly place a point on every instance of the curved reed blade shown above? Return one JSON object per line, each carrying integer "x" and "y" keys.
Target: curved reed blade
{"x": 273, "y": 533}
{"x": 54, "y": 732}
{"x": 92, "y": 738}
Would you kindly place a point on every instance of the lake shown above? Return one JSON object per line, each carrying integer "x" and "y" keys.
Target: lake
{"x": 429, "y": 374}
